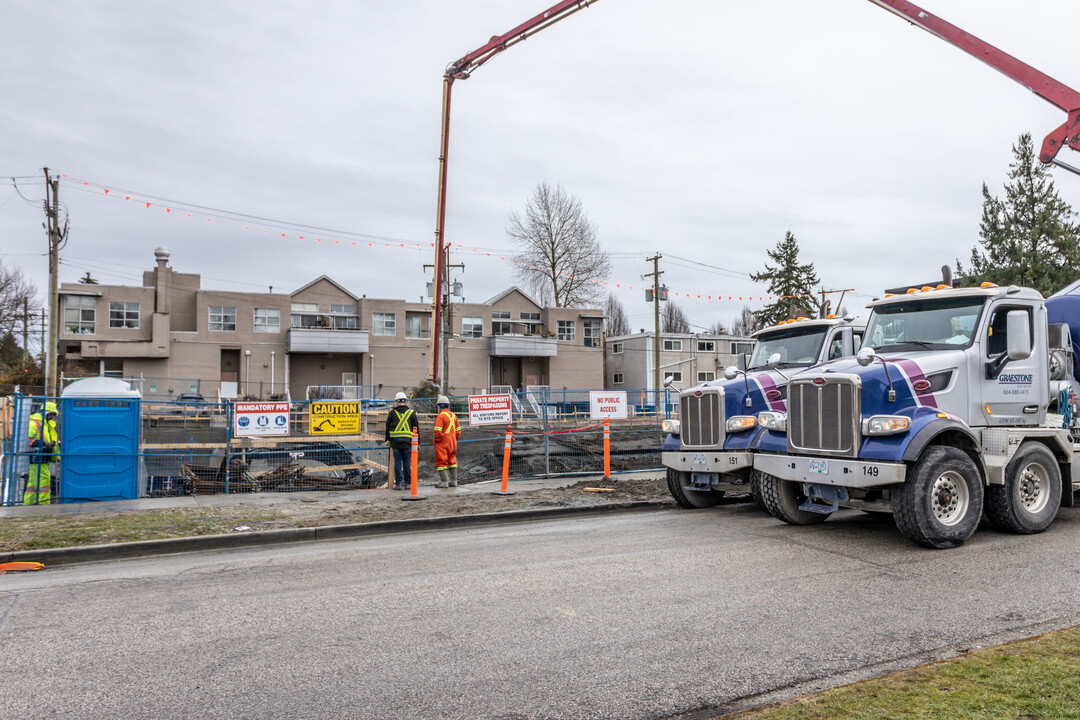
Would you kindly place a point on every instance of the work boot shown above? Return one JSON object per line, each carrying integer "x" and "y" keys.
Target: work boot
{"x": 453, "y": 476}
{"x": 443, "y": 481}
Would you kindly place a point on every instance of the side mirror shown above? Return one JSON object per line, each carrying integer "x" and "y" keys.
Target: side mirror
{"x": 668, "y": 380}
{"x": 731, "y": 372}
{"x": 1018, "y": 327}
{"x": 865, "y": 356}
{"x": 774, "y": 361}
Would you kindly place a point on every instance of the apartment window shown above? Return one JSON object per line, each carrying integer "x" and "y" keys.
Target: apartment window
{"x": 530, "y": 317}
{"x": 706, "y": 377}
{"x": 416, "y": 325}
{"x": 345, "y": 322}
{"x": 383, "y": 324}
{"x": 124, "y": 315}
{"x": 616, "y": 348}
{"x": 305, "y": 315}
{"x": 472, "y": 327}
{"x": 617, "y": 379}
{"x": 343, "y": 309}
{"x": 675, "y": 376}
{"x": 222, "y": 318}
{"x": 267, "y": 320}
{"x": 80, "y": 313}
{"x": 675, "y": 345}
{"x": 500, "y": 322}
{"x": 590, "y": 332}
{"x": 566, "y": 330}
{"x": 706, "y": 346}
{"x": 743, "y": 348}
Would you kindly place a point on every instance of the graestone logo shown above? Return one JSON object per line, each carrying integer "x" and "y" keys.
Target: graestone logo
{"x": 1015, "y": 379}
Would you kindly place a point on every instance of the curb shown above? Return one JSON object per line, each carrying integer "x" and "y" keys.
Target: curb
{"x": 141, "y": 548}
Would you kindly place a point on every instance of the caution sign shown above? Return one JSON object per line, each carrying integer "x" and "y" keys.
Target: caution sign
{"x": 334, "y": 418}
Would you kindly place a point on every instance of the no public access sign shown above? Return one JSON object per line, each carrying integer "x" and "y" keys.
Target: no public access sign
{"x": 490, "y": 410}
{"x": 256, "y": 419}
{"x": 334, "y": 418}
{"x": 607, "y": 404}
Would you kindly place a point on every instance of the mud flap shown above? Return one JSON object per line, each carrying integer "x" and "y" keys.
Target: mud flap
{"x": 824, "y": 499}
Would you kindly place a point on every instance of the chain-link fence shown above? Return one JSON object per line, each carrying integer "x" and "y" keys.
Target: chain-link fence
{"x": 184, "y": 446}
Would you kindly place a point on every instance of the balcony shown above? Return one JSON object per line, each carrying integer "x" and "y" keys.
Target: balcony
{"x": 523, "y": 346}
{"x": 327, "y": 340}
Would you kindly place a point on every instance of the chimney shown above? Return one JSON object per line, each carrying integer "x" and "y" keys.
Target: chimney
{"x": 162, "y": 274}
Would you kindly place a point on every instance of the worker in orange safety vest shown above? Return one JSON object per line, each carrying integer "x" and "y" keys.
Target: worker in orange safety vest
{"x": 447, "y": 432}
{"x": 43, "y": 444}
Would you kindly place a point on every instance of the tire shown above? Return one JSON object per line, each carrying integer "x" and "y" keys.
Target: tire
{"x": 782, "y": 499}
{"x": 677, "y": 481}
{"x": 1029, "y": 500}
{"x": 755, "y": 488}
{"x": 940, "y": 503}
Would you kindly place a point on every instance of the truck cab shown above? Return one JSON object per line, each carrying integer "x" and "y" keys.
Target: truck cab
{"x": 944, "y": 413}
{"x": 709, "y": 450}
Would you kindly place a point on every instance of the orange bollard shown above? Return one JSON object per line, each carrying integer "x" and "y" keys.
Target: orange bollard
{"x": 415, "y": 484}
{"x": 506, "y": 463}
{"x": 607, "y": 448}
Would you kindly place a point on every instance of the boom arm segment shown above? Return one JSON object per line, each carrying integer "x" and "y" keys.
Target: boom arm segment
{"x": 1037, "y": 82}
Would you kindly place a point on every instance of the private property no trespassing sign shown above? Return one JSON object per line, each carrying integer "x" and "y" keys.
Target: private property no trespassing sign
{"x": 490, "y": 410}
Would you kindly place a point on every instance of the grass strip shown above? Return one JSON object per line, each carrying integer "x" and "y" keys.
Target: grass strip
{"x": 1032, "y": 679}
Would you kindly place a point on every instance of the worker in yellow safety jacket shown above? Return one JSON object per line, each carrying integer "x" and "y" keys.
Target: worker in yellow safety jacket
{"x": 43, "y": 450}
{"x": 400, "y": 423}
{"x": 447, "y": 432}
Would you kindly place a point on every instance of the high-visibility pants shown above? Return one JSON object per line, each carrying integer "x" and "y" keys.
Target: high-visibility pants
{"x": 38, "y": 485}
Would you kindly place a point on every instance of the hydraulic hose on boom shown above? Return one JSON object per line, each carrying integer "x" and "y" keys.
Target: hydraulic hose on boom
{"x": 1037, "y": 82}
{"x": 462, "y": 69}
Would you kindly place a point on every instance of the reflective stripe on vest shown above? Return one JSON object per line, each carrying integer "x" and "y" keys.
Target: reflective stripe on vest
{"x": 402, "y": 429}
{"x": 452, "y": 426}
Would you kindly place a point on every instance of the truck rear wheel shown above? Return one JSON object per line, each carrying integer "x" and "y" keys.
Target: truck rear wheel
{"x": 678, "y": 482}
{"x": 782, "y": 499}
{"x": 1029, "y": 500}
{"x": 940, "y": 503}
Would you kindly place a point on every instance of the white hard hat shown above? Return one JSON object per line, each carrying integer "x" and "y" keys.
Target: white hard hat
{"x": 401, "y": 396}
{"x": 443, "y": 400}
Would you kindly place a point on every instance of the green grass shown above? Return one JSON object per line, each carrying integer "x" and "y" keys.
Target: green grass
{"x": 1033, "y": 679}
{"x": 39, "y": 533}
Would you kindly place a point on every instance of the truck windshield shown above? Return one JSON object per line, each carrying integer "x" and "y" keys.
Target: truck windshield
{"x": 796, "y": 346}
{"x": 942, "y": 323}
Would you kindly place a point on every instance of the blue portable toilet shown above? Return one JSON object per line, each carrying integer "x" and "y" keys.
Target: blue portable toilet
{"x": 99, "y": 441}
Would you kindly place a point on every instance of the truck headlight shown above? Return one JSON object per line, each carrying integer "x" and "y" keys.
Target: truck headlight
{"x": 738, "y": 423}
{"x": 775, "y": 421}
{"x": 886, "y": 425}
{"x": 671, "y": 427}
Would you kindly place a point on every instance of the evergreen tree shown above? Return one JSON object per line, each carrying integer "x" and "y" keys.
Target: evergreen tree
{"x": 790, "y": 280}
{"x": 1028, "y": 238}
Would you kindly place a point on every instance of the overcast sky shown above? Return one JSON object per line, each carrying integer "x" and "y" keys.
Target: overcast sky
{"x": 702, "y": 129}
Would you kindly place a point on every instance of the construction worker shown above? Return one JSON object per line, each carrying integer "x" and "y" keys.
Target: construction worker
{"x": 400, "y": 423}
{"x": 43, "y": 444}
{"x": 447, "y": 432}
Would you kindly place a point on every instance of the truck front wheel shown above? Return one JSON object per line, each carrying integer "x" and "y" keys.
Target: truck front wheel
{"x": 782, "y": 499}
{"x": 678, "y": 483}
{"x": 1028, "y": 501}
{"x": 940, "y": 503}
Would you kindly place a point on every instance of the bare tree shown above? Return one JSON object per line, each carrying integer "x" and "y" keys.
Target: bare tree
{"x": 746, "y": 323}
{"x": 673, "y": 319}
{"x": 17, "y": 295}
{"x": 717, "y": 328}
{"x": 616, "y": 321}
{"x": 561, "y": 261}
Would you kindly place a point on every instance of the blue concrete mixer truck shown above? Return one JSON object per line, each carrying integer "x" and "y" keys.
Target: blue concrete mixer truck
{"x": 961, "y": 403}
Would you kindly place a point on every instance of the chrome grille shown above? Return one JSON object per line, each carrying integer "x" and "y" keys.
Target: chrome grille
{"x": 701, "y": 418}
{"x": 824, "y": 418}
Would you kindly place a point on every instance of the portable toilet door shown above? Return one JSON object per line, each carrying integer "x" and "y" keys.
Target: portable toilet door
{"x": 99, "y": 441}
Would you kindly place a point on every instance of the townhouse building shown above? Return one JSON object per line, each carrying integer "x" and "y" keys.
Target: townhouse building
{"x": 177, "y": 337}
{"x": 690, "y": 358}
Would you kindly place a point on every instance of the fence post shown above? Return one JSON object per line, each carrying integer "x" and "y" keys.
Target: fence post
{"x": 414, "y": 485}
{"x": 607, "y": 448}
{"x": 228, "y": 443}
{"x": 546, "y": 428}
{"x": 506, "y": 463}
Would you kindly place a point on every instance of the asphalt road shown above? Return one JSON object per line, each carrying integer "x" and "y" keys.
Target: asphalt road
{"x": 641, "y": 615}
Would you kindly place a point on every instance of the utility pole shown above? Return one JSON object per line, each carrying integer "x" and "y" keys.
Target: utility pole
{"x": 823, "y": 292}
{"x": 446, "y": 318}
{"x": 52, "y": 210}
{"x": 26, "y": 331}
{"x": 655, "y": 275}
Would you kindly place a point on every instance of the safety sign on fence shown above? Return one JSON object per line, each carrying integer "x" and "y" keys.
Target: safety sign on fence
{"x": 490, "y": 410}
{"x": 334, "y": 418}
{"x": 258, "y": 419}
{"x": 607, "y": 404}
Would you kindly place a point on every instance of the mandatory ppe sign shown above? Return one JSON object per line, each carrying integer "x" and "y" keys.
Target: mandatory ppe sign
{"x": 254, "y": 419}
{"x": 490, "y": 410}
{"x": 334, "y": 418}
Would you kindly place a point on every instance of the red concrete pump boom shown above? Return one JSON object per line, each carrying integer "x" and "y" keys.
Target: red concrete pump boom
{"x": 461, "y": 70}
{"x": 1037, "y": 82}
